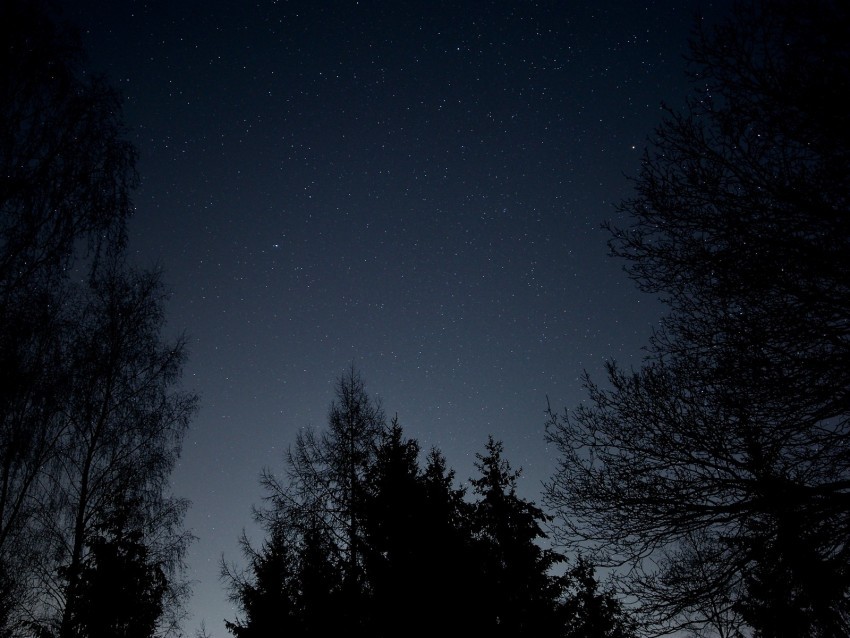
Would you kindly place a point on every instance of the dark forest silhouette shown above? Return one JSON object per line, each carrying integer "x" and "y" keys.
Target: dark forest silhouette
{"x": 362, "y": 538}
{"x": 714, "y": 481}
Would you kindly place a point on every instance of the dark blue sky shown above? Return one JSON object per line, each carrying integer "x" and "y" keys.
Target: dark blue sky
{"x": 416, "y": 187}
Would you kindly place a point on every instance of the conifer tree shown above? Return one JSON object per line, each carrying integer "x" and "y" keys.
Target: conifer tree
{"x": 319, "y": 507}
{"x": 121, "y": 589}
{"x": 267, "y": 593}
{"x": 519, "y": 591}
{"x": 591, "y": 611}
{"x": 393, "y": 517}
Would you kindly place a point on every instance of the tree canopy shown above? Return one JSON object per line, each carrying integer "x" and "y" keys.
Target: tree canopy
{"x": 718, "y": 473}
{"x": 91, "y": 412}
{"x": 429, "y": 559}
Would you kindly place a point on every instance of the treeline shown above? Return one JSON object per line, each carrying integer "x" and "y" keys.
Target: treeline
{"x": 364, "y": 535}
{"x": 714, "y": 479}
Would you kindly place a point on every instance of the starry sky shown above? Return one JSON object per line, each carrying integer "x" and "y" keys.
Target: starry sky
{"x": 414, "y": 187}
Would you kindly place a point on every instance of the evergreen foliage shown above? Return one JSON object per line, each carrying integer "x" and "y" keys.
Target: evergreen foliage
{"x": 518, "y": 591}
{"x": 120, "y": 591}
{"x": 429, "y": 561}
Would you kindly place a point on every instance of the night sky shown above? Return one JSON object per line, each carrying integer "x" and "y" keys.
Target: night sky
{"x": 416, "y": 188}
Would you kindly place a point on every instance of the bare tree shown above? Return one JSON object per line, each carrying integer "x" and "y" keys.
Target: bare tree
{"x": 91, "y": 418}
{"x": 66, "y": 177}
{"x": 124, "y": 424}
{"x": 67, "y": 170}
{"x": 719, "y": 473}
{"x": 326, "y": 475}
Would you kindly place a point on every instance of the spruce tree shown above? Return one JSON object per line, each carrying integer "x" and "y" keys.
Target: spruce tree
{"x": 518, "y": 591}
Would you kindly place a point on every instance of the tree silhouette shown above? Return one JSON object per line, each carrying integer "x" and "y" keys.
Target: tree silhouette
{"x": 67, "y": 174}
{"x": 67, "y": 170}
{"x": 792, "y": 588}
{"x": 323, "y": 587}
{"x": 421, "y": 561}
{"x": 428, "y": 560}
{"x": 589, "y": 611}
{"x": 91, "y": 419}
{"x": 327, "y": 474}
{"x": 321, "y": 502}
{"x": 120, "y": 591}
{"x": 737, "y": 424}
{"x": 123, "y": 422}
{"x": 453, "y": 581}
{"x": 520, "y": 594}
{"x": 268, "y": 594}
{"x": 393, "y": 518}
